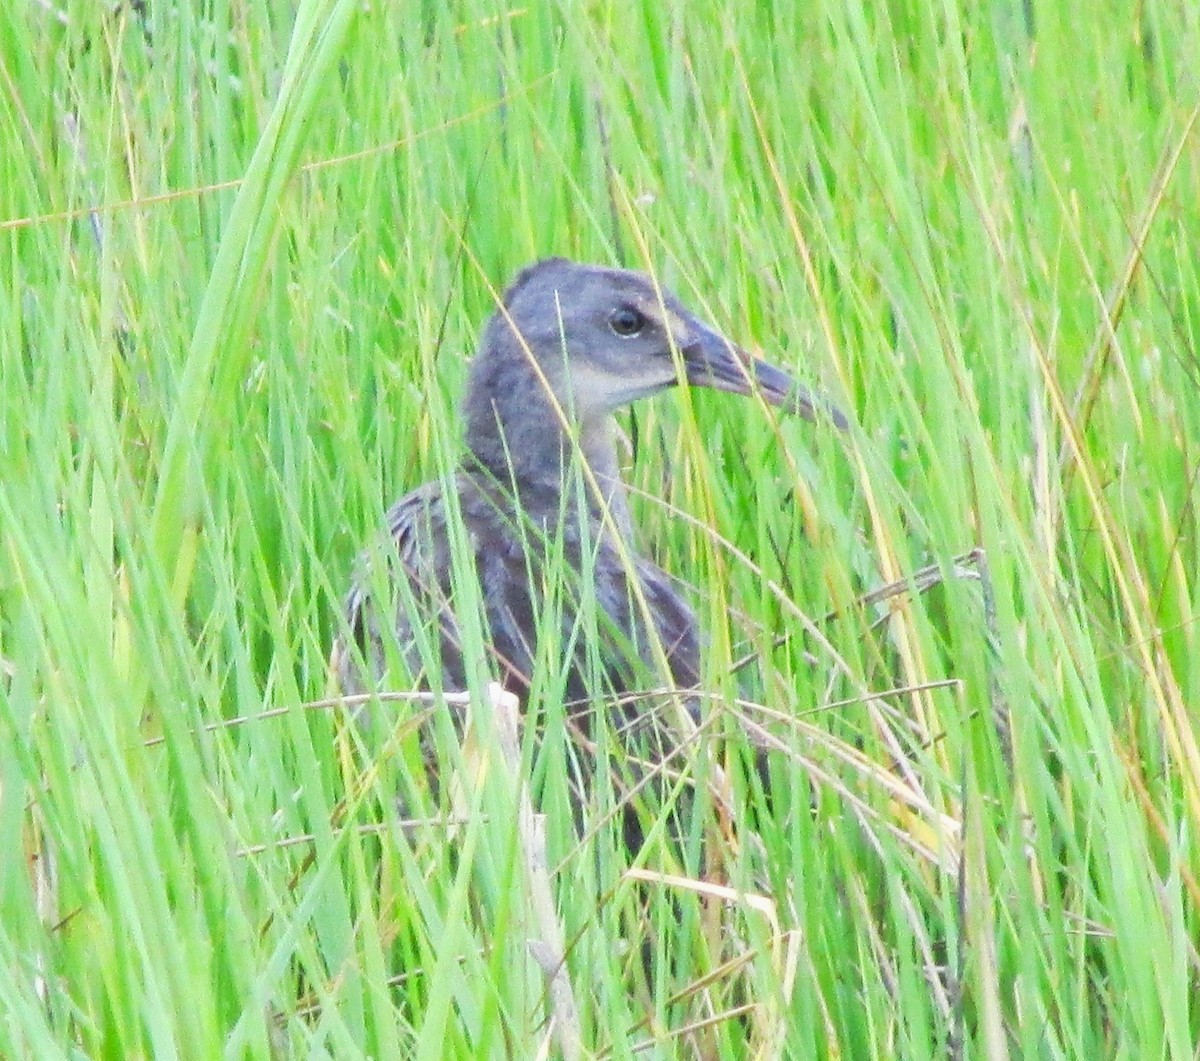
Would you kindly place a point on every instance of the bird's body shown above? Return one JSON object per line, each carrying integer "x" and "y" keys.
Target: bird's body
{"x": 507, "y": 563}
{"x": 539, "y": 501}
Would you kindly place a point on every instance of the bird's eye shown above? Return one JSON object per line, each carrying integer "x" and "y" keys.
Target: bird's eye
{"x": 626, "y": 321}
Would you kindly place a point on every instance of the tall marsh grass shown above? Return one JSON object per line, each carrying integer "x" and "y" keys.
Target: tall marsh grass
{"x": 245, "y": 251}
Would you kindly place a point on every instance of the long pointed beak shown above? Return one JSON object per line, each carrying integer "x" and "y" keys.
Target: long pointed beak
{"x": 713, "y": 361}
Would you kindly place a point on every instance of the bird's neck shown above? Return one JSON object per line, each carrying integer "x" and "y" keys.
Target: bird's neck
{"x": 546, "y": 469}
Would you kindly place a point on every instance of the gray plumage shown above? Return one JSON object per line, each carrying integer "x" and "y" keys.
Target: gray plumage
{"x": 570, "y": 344}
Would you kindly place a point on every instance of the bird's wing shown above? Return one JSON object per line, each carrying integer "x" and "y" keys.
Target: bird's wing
{"x": 412, "y": 567}
{"x": 675, "y": 625}
{"x": 402, "y": 600}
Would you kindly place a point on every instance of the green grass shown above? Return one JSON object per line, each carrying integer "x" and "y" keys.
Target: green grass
{"x": 245, "y": 255}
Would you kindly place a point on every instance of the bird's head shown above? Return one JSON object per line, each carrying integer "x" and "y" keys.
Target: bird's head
{"x": 602, "y": 338}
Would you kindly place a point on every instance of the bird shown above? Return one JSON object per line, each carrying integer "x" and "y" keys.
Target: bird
{"x": 538, "y": 500}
